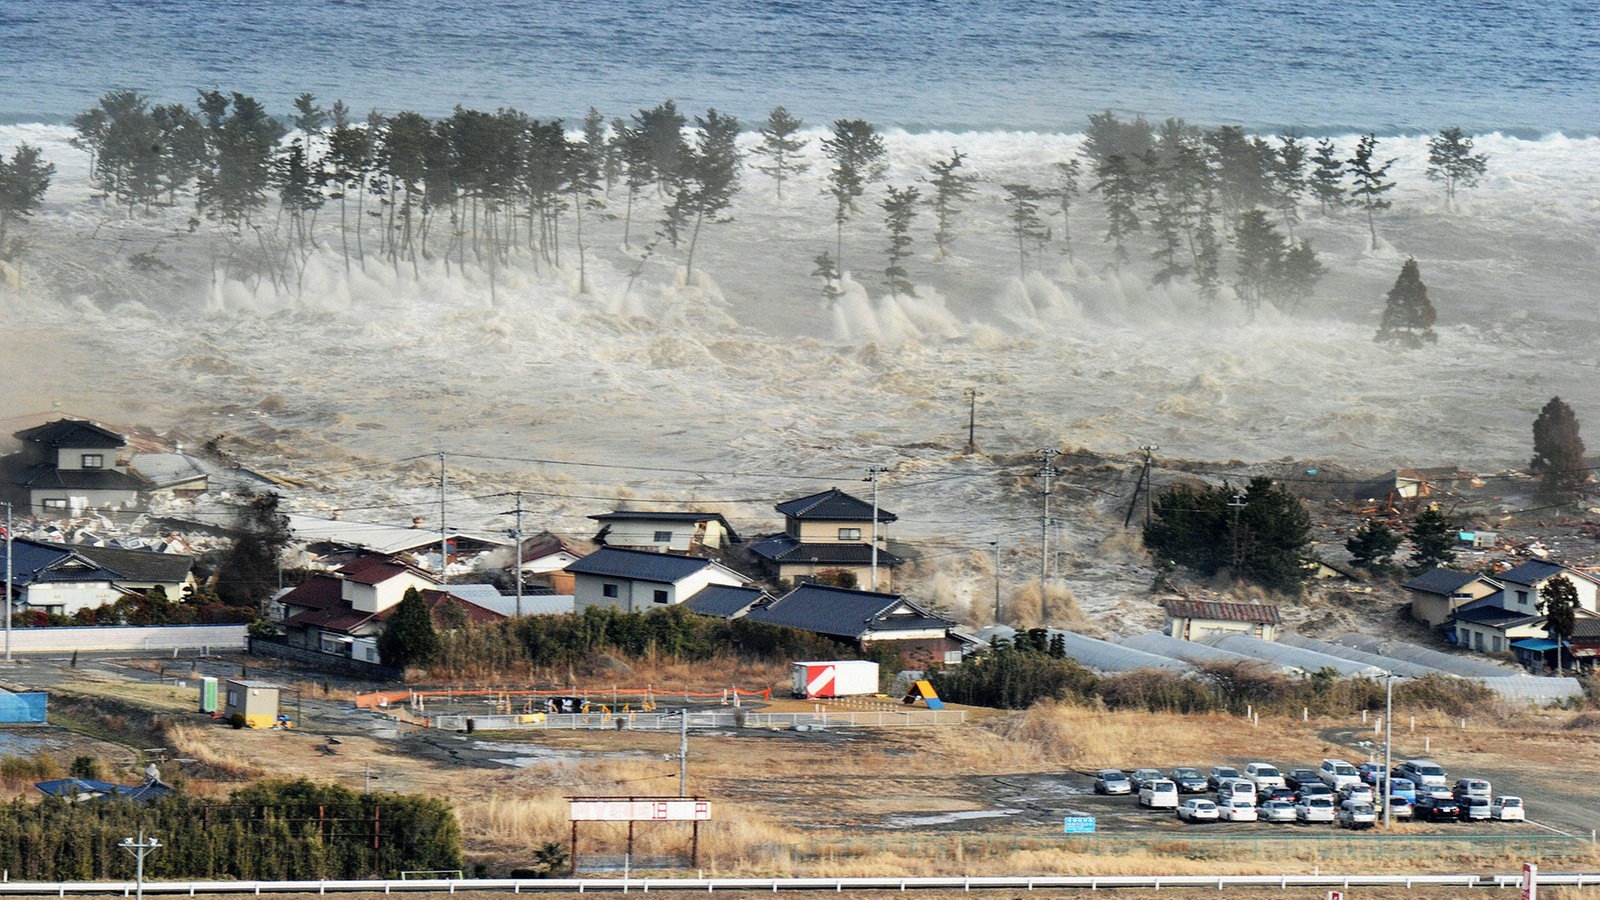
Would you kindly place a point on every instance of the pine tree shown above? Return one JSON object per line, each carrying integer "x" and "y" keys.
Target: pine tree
{"x": 1558, "y": 453}
{"x": 409, "y": 637}
{"x": 1558, "y": 600}
{"x": 1452, "y": 163}
{"x": 1244, "y": 168}
{"x": 1433, "y": 540}
{"x": 1259, "y": 259}
{"x": 710, "y": 175}
{"x": 1121, "y": 189}
{"x": 949, "y": 188}
{"x": 859, "y": 156}
{"x": 1369, "y": 182}
{"x": 250, "y": 568}
{"x": 1207, "y": 256}
{"x": 1372, "y": 545}
{"x": 1289, "y": 179}
{"x": 1408, "y": 314}
{"x": 828, "y": 271}
{"x": 1327, "y": 176}
{"x": 1066, "y": 193}
{"x": 1027, "y": 228}
{"x": 899, "y": 208}
{"x": 1298, "y": 274}
{"x": 780, "y": 147}
{"x": 1260, "y": 534}
{"x": 24, "y": 179}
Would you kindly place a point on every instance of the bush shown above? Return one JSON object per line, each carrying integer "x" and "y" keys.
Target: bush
{"x": 237, "y": 720}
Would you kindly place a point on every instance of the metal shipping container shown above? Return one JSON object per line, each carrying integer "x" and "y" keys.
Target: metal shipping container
{"x": 834, "y": 678}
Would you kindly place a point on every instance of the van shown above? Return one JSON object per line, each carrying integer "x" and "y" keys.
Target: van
{"x": 1236, "y": 788}
{"x": 1338, "y": 774}
{"x": 1159, "y": 793}
{"x": 1472, "y": 787}
{"x": 1356, "y": 815}
{"x": 1264, "y": 776}
{"x": 1425, "y": 773}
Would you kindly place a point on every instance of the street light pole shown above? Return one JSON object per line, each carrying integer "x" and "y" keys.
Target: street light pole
{"x": 8, "y": 580}
{"x": 996, "y": 546}
{"x": 1388, "y": 743}
{"x": 140, "y": 849}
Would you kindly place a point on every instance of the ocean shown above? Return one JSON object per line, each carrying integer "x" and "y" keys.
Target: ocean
{"x": 1317, "y": 66}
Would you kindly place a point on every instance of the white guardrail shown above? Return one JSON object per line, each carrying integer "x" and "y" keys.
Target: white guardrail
{"x": 773, "y": 885}
{"x": 651, "y": 721}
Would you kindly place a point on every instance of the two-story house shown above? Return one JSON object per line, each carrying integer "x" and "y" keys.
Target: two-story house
{"x": 830, "y": 532}
{"x": 665, "y": 532}
{"x": 69, "y": 466}
{"x": 1437, "y": 593}
{"x": 62, "y": 579}
{"x": 864, "y": 619}
{"x": 1512, "y": 616}
{"x": 641, "y": 580}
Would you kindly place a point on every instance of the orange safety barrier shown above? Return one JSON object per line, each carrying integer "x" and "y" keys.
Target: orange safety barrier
{"x": 389, "y": 698}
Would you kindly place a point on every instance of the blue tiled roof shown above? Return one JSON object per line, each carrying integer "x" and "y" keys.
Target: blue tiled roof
{"x": 1440, "y": 581}
{"x": 781, "y": 548}
{"x": 842, "y": 612}
{"x": 1532, "y": 572}
{"x": 638, "y": 565}
{"x": 832, "y": 504}
{"x": 72, "y": 433}
{"x": 1487, "y": 615}
{"x": 723, "y": 601}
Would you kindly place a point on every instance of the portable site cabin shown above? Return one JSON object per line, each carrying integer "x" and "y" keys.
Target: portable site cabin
{"x": 835, "y": 678}
{"x": 257, "y": 701}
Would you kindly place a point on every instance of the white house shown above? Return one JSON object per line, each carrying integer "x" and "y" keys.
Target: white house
{"x": 1191, "y": 620}
{"x": 665, "y": 532}
{"x": 1523, "y": 583}
{"x": 639, "y": 580}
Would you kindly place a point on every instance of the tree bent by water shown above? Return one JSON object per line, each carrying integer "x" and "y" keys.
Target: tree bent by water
{"x": 24, "y": 179}
{"x": 1452, "y": 163}
{"x": 1408, "y": 314}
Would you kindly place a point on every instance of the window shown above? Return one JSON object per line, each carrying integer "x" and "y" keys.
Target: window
{"x": 1522, "y": 598}
{"x": 1495, "y": 643}
{"x": 608, "y": 590}
{"x": 94, "y": 461}
{"x": 53, "y": 503}
{"x": 1477, "y": 641}
{"x": 661, "y": 596}
{"x": 849, "y": 534}
{"x": 663, "y": 537}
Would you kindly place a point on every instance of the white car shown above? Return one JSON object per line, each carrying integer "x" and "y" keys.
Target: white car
{"x": 1236, "y": 787}
{"x": 1314, "y": 809}
{"x": 1276, "y": 811}
{"x": 1338, "y": 774}
{"x": 1507, "y": 809}
{"x": 1356, "y": 815}
{"x": 1264, "y": 776}
{"x": 1361, "y": 793}
{"x": 1197, "y": 809}
{"x": 1237, "y": 809}
{"x": 1159, "y": 793}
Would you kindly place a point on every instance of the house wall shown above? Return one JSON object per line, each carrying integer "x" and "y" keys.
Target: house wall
{"x": 73, "y": 458}
{"x": 258, "y": 704}
{"x": 1189, "y": 629}
{"x": 381, "y": 596}
{"x": 826, "y": 531}
{"x": 1484, "y": 639}
{"x": 641, "y": 534}
{"x": 919, "y": 650}
{"x": 1587, "y": 595}
{"x": 78, "y": 500}
{"x": 1435, "y": 609}
{"x": 640, "y": 596}
{"x": 67, "y": 598}
{"x": 805, "y": 571}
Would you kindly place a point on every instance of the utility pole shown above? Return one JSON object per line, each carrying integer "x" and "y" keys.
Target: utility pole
{"x": 872, "y": 475}
{"x": 996, "y": 546}
{"x": 1046, "y": 472}
{"x": 1388, "y": 742}
{"x": 1236, "y": 504}
{"x": 1148, "y": 450}
{"x": 8, "y": 581}
{"x": 444, "y": 542}
{"x": 972, "y": 420}
{"x": 516, "y": 537}
{"x": 683, "y": 755}
{"x": 140, "y": 849}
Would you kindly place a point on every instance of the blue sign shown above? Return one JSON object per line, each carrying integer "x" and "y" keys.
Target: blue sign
{"x": 1079, "y": 824}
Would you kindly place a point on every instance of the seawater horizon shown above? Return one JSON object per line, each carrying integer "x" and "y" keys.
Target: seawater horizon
{"x": 1320, "y": 68}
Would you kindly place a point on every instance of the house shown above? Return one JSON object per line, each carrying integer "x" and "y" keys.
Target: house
{"x": 1437, "y": 593}
{"x": 87, "y": 790}
{"x": 1406, "y": 484}
{"x": 1585, "y": 642}
{"x": 544, "y": 562}
{"x": 1191, "y": 620}
{"x": 1492, "y": 629}
{"x": 639, "y": 580}
{"x": 726, "y": 601}
{"x": 344, "y": 612}
{"x": 830, "y": 532}
{"x": 1523, "y": 583}
{"x": 68, "y": 467}
{"x": 665, "y": 532}
{"x": 61, "y": 579}
{"x": 865, "y": 619}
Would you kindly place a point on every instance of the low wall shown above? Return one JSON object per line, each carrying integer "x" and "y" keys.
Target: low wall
{"x": 324, "y": 661}
{"x": 95, "y": 638}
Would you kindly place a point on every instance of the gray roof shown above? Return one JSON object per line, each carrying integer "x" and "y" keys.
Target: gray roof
{"x": 1453, "y": 663}
{"x": 489, "y": 597}
{"x": 1189, "y": 651}
{"x": 724, "y": 601}
{"x": 1287, "y": 655}
{"x": 1441, "y": 581}
{"x": 1105, "y": 656}
{"x": 1492, "y": 616}
{"x": 832, "y": 504}
{"x": 842, "y": 612}
{"x": 135, "y": 566}
{"x": 72, "y": 433}
{"x": 164, "y": 469}
{"x": 44, "y": 476}
{"x": 781, "y": 548}
{"x": 36, "y": 561}
{"x": 1398, "y": 666}
{"x": 639, "y": 565}
{"x": 1534, "y": 571}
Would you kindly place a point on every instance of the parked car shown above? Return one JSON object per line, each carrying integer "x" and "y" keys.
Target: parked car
{"x": 1298, "y": 778}
{"x": 1189, "y": 780}
{"x": 1507, "y": 809}
{"x": 1277, "y": 793}
{"x": 1399, "y": 807}
{"x": 1361, "y": 793}
{"x": 1403, "y": 787}
{"x": 1140, "y": 776}
{"x": 1276, "y": 811}
{"x": 1436, "y": 809}
{"x": 1112, "y": 781}
{"x": 1219, "y": 774}
{"x": 1159, "y": 793}
{"x": 1236, "y": 787}
{"x": 1337, "y": 774}
{"x": 1475, "y": 809}
{"x": 1424, "y": 773}
{"x": 1356, "y": 815}
{"x": 1237, "y": 809}
{"x": 1314, "y": 789}
{"x": 1370, "y": 772}
{"x": 1471, "y": 787}
{"x": 1314, "y": 809}
{"x": 1263, "y": 776}
{"x": 1197, "y": 809}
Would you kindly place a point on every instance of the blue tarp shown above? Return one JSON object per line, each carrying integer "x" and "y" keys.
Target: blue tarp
{"x": 22, "y": 709}
{"x": 1535, "y": 644}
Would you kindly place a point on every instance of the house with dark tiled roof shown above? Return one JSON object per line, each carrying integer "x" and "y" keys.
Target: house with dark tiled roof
{"x": 863, "y": 619}
{"x": 344, "y": 612}
{"x": 1493, "y": 629}
{"x": 61, "y": 579}
{"x": 544, "y": 563}
{"x": 641, "y": 580}
{"x": 68, "y": 467}
{"x": 726, "y": 601}
{"x": 1524, "y": 582}
{"x": 1191, "y": 620}
{"x": 1437, "y": 593}
{"x": 695, "y": 533}
{"x": 829, "y": 533}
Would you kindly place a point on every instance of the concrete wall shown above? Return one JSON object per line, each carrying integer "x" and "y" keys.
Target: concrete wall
{"x": 227, "y": 638}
